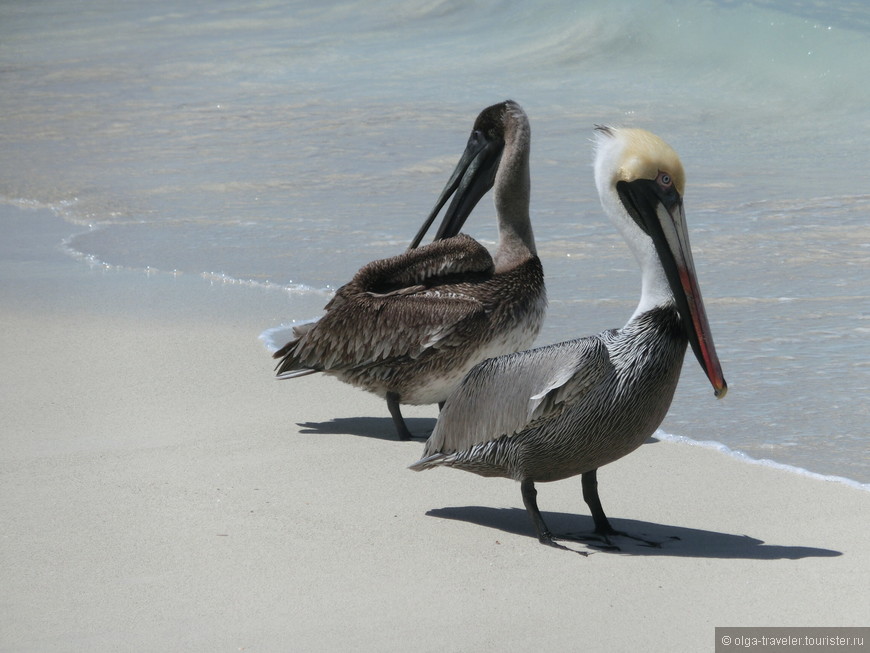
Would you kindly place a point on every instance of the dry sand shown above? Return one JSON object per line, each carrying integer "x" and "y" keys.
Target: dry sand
{"x": 161, "y": 492}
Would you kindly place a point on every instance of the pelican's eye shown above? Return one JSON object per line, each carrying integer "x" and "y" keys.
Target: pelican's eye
{"x": 475, "y": 139}
{"x": 664, "y": 180}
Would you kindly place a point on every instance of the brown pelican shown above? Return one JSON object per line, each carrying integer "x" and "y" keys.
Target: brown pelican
{"x": 408, "y": 328}
{"x": 569, "y": 408}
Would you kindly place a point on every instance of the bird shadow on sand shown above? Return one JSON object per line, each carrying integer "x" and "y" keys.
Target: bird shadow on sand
{"x": 692, "y": 543}
{"x": 381, "y": 428}
{"x": 370, "y": 427}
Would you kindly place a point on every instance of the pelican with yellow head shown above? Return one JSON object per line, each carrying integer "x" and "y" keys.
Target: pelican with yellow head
{"x": 554, "y": 412}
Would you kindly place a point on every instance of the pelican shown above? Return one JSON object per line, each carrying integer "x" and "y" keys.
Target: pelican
{"x": 408, "y": 328}
{"x": 557, "y": 411}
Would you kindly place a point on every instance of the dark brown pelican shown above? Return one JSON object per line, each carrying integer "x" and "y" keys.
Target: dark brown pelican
{"x": 408, "y": 328}
{"x": 567, "y": 409}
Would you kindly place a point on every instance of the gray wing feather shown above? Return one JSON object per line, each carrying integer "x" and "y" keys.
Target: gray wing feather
{"x": 502, "y": 396}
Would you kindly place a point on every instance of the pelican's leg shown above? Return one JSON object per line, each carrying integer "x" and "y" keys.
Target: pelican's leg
{"x": 589, "y": 481}
{"x": 530, "y": 494}
{"x": 603, "y": 529}
{"x": 396, "y": 412}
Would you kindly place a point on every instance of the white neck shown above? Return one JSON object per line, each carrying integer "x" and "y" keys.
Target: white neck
{"x": 655, "y": 289}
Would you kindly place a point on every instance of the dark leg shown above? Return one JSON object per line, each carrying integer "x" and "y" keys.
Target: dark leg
{"x": 603, "y": 529}
{"x": 589, "y": 481}
{"x": 530, "y": 494}
{"x": 396, "y": 412}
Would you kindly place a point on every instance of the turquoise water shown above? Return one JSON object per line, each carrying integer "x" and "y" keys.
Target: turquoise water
{"x": 283, "y": 146}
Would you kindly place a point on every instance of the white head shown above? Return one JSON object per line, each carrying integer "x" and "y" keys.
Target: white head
{"x": 640, "y": 181}
{"x": 622, "y": 157}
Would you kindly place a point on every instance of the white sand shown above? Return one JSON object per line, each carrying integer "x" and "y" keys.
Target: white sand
{"x": 161, "y": 492}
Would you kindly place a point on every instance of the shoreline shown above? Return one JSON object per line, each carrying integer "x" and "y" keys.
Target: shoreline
{"x": 160, "y": 490}
{"x": 266, "y": 293}
{"x": 736, "y": 454}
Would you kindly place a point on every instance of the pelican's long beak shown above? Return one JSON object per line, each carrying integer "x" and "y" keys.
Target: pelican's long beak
{"x": 660, "y": 214}
{"x": 471, "y": 180}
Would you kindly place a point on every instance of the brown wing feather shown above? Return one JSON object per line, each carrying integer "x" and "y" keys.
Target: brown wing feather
{"x": 395, "y": 308}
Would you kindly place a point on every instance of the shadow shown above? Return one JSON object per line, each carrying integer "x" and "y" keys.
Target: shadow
{"x": 380, "y": 427}
{"x": 370, "y": 427}
{"x": 692, "y": 543}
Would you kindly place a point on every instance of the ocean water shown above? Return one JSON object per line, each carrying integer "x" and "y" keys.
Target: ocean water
{"x": 281, "y": 146}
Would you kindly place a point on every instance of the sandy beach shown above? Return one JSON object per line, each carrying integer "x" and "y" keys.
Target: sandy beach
{"x": 161, "y": 491}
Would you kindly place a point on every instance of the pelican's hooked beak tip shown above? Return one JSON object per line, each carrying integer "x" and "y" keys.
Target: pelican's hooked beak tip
{"x": 720, "y": 393}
